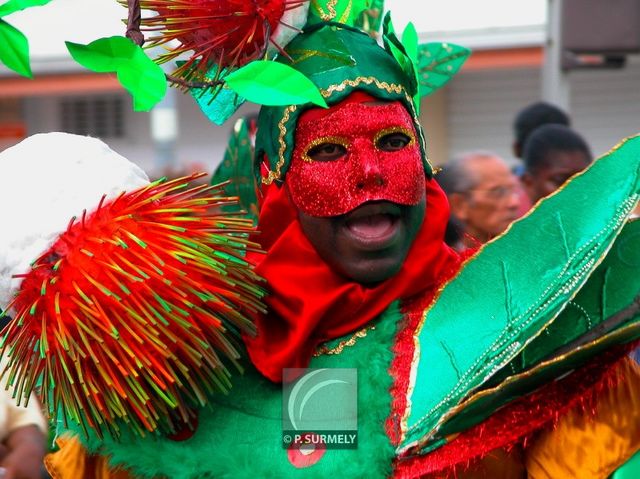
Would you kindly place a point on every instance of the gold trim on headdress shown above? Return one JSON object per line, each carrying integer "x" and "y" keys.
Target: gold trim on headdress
{"x": 331, "y": 13}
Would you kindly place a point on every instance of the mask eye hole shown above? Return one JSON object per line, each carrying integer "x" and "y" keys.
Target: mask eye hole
{"x": 326, "y": 149}
{"x": 394, "y": 139}
{"x": 393, "y": 142}
{"x": 327, "y": 152}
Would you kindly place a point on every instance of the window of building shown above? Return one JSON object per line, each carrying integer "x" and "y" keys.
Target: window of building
{"x": 13, "y": 127}
{"x": 102, "y": 117}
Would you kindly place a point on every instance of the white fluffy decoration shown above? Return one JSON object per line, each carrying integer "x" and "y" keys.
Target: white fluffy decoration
{"x": 296, "y": 18}
{"x": 46, "y": 180}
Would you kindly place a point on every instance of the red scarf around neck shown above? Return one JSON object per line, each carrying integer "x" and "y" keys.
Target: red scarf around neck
{"x": 309, "y": 303}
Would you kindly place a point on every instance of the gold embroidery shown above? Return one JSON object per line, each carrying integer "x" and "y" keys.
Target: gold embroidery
{"x": 331, "y": 8}
{"x": 275, "y": 174}
{"x": 389, "y": 87}
{"x": 324, "y": 350}
{"x": 347, "y": 12}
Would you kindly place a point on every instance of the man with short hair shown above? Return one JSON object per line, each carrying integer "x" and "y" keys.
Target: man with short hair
{"x": 533, "y": 116}
{"x": 552, "y": 154}
{"x": 483, "y": 194}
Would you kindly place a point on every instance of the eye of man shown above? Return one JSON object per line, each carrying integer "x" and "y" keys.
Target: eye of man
{"x": 326, "y": 152}
{"x": 393, "y": 142}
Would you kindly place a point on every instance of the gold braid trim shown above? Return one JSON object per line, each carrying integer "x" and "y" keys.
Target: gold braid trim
{"x": 276, "y": 174}
{"x": 331, "y": 8}
{"x": 347, "y": 13}
{"x": 324, "y": 350}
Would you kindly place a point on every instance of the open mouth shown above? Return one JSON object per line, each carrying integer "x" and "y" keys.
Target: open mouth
{"x": 373, "y": 225}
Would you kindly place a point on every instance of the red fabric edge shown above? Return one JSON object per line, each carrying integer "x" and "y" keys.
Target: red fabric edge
{"x": 519, "y": 420}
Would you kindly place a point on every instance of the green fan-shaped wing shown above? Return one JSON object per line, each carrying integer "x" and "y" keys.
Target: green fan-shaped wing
{"x": 516, "y": 287}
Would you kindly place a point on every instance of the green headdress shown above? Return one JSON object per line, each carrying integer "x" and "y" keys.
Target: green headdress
{"x": 336, "y": 53}
{"x": 338, "y": 59}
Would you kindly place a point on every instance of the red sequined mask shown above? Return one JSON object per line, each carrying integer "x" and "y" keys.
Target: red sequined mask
{"x": 381, "y": 158}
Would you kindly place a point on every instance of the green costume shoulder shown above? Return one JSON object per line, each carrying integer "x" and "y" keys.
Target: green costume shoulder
{"x": 240, "y": 435}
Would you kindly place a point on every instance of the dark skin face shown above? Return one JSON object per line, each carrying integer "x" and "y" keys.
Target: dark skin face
{"x": 558, "y": 167}
{"x": 370, "y": 243}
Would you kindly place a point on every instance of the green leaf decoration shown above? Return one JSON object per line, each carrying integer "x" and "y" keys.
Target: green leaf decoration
{"x": 437, "y": 64}
{"x": 391, "y": 42}
{"x": 370, "y": 19}
{"x": 101, "y": 55}
{"x": 218, "y": 105}
{"x": 410, "y": 43}
{"x": 274, "y": 84}
{"x": 505, "y": 311}
{"x": 237, "y": 168}
{"x": 14, "y": 52}
{"x": 147, "y": 84}
{"x": 393, "y": 45}
{"x": 15, "y": 5}
{"x": 136, "y": 72}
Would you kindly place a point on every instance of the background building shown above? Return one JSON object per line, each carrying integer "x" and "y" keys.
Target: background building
{"x": 474, "y": 111}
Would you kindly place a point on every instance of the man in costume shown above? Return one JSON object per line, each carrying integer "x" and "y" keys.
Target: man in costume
{"x": 472, "y": 372}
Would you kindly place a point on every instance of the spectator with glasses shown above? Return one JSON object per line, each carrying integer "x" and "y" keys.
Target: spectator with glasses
{"x": 484, "y": 198}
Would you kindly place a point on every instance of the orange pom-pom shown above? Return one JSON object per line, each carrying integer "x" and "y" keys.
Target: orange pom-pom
{"x": 132, "y": 314}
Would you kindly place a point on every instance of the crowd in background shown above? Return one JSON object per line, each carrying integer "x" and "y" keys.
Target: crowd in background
{"x": 486, "y": 195}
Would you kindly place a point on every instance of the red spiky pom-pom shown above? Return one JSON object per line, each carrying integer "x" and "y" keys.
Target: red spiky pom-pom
{"x": 132, "y": 314}
{"x": 226, "y": 33}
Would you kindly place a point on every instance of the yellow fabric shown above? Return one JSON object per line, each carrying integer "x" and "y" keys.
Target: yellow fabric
{"x": 73, "y": 462}
{"x": 592, "y": 444}
{"x": 498, "y": 464}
